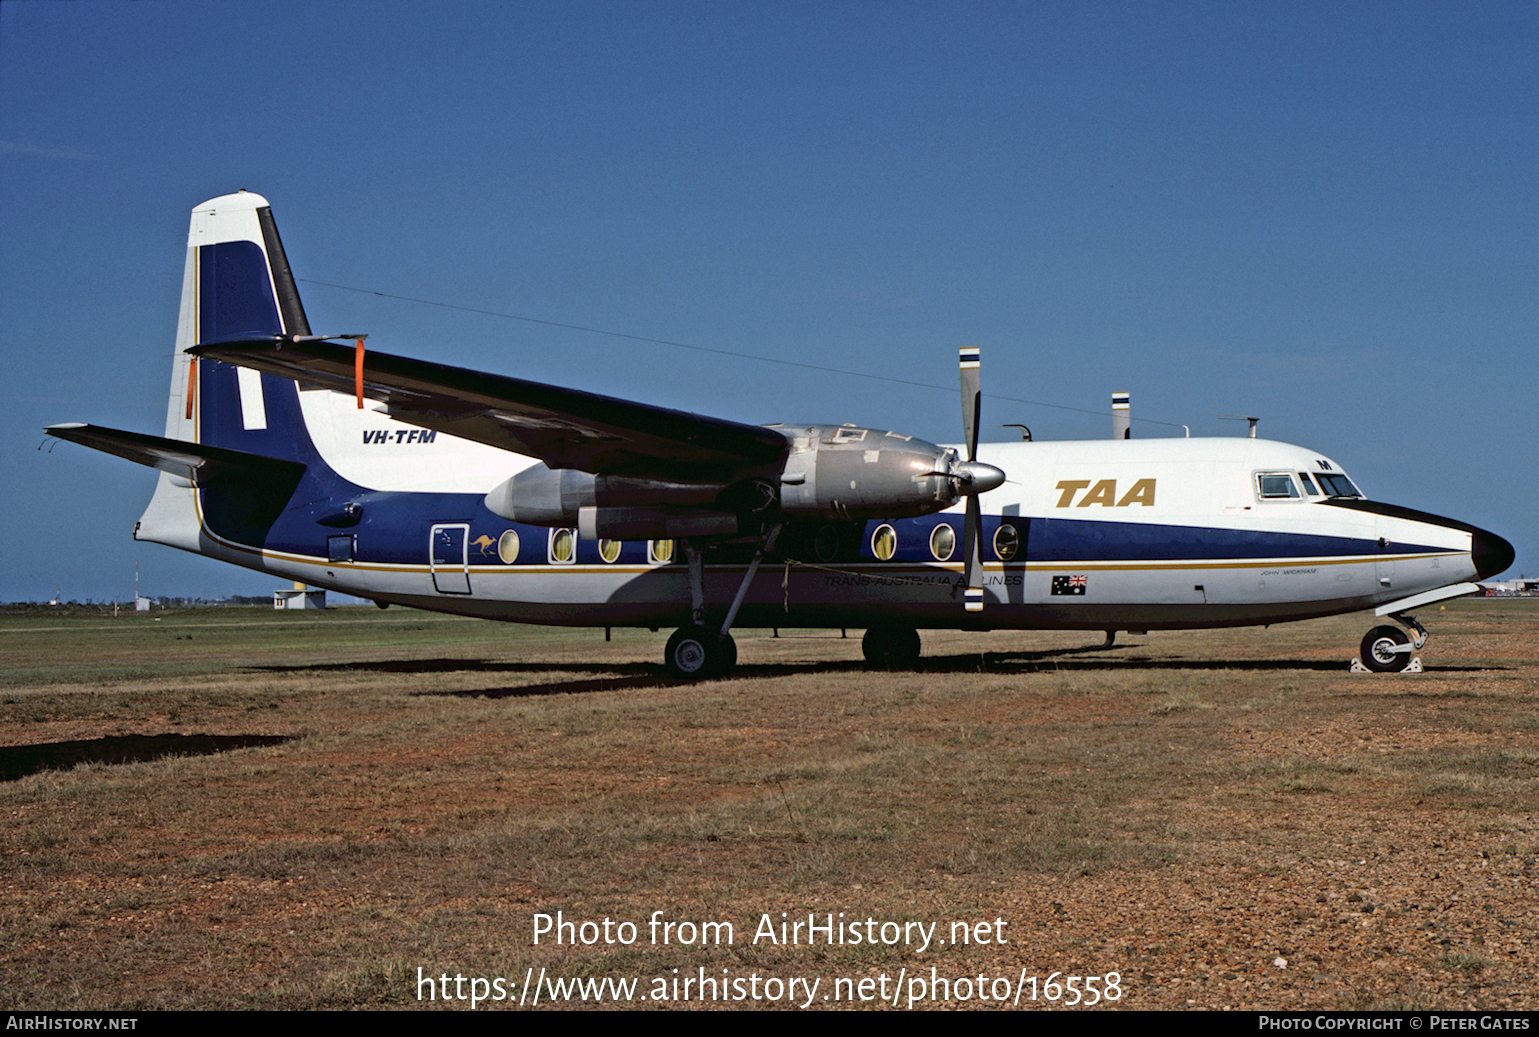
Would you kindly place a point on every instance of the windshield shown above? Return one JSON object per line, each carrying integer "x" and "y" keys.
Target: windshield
{"x": 1336, "y": 485}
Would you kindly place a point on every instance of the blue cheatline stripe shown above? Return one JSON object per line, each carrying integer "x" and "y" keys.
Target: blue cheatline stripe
{"x": 394, "y": 528}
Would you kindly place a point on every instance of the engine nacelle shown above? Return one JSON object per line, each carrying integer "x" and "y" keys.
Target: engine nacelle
{"x": 844, "y": 472}
{"x": 836, "y": 472}
{"x": 608, "y": 507}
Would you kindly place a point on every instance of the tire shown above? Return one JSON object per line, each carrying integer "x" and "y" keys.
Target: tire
{"x": 693, "y": 653}
{"x": 1382, "y": 650}
{"x": 891, "y": 646}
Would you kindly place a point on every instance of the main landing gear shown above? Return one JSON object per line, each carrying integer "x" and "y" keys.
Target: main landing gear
{"x": 697, "y": 651}
{"x": 700, "y": 651}
{"x": 1387, "y": 649}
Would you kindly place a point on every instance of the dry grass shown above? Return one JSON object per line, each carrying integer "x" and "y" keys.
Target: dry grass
{"x": 1186, "y": 809}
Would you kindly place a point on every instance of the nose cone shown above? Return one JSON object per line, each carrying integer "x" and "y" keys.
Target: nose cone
{"x": 1490, "y": 553}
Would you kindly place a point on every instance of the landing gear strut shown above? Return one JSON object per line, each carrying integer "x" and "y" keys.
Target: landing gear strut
{"x": 1419, "y": 633}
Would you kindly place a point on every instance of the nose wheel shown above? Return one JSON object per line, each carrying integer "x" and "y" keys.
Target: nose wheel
{"x": 1386, "y": 649}
{"x": 1389, "y": 649}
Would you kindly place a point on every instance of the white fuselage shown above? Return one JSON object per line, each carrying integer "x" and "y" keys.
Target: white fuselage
{"x": 1126, "y": 534}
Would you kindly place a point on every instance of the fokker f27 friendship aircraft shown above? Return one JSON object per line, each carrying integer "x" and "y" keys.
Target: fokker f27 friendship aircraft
{"x": 491, "y": 496}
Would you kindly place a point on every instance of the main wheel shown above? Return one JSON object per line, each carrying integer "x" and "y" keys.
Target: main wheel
{"x": 694, "y": 653}
{"x": 1386, "y": 650}
{"x": 891, "y": 646}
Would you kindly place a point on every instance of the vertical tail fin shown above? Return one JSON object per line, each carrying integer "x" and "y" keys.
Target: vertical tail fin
{"x": 236, "y": 280}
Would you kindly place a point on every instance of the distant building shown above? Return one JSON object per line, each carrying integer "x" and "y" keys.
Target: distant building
{"x": 301, "y": 597}
{"x": 1523, "y": 586}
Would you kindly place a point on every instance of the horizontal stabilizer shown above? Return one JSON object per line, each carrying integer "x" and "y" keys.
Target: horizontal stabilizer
{"x": 197, "y": 463}
{"x": 565, "y": 428}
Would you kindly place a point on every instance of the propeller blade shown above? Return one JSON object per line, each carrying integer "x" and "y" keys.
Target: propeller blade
{"x": 972, "y": 535}
{"x": 977, "y": 478}
{"x": 971, "y": 398}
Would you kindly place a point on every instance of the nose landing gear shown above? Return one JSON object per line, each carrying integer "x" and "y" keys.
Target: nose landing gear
{"x": 1386, "y": 649}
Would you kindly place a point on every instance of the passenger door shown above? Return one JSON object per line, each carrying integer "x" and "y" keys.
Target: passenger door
{"x": 448, "y": 557}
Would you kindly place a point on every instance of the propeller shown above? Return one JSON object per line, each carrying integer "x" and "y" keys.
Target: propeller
{"x": 973, "y": 478}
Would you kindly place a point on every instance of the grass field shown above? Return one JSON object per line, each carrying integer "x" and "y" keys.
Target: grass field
{"x": 359, "y": 799}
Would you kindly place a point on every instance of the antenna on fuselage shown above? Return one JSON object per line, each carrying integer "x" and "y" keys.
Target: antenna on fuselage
{"x": 1122, "y": 416}
{"x": 1241, "y": 417}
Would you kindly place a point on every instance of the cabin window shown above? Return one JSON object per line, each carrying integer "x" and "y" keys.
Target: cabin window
{"x": 1336, "y": 485}
{"x": 563, "y": 546}
{"x": 660, "y": 552}
{"x": 884, "y": 542}
{"x": 943, "y": 542}
{"x": 826, "y": 543}
{"x": 609, "y": 550}
{"x": 1007, "y": 541}
{"x": 507, "y": 547}
{"x": 1276, "y": 486}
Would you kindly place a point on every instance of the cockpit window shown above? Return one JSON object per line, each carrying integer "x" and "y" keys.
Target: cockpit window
{"x": 1309, "y": 487}
{"x": 1336, "y": 485}
{"x": 1276, "y": 486}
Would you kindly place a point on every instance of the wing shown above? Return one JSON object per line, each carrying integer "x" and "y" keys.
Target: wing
{"x": 565, "y": 428}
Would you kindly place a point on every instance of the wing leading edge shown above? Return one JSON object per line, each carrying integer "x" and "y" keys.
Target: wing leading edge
{"x": 565, "y": 428}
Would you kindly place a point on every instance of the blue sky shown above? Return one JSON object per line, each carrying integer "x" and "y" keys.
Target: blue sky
{"x": 1322, "y": 214}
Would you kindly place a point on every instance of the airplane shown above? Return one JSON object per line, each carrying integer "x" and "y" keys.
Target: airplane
{"x": 411, "y": 483}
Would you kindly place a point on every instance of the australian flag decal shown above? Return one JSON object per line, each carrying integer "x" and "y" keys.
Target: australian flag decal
{"x": 1069, "y": 584}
